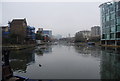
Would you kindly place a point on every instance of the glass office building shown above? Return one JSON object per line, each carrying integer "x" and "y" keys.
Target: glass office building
{"x": 110, "y": 23}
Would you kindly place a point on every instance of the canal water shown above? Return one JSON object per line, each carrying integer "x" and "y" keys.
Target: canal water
{"x": 66, "y": 62}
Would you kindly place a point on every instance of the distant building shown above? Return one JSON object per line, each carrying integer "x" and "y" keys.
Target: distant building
{"x": 86, "y": 34}
{"x": 47, "y": 35}
{"x": 39, "y": 31}
{"x": 110, "y": 23}
{"x": 95, "y": 31}
{"x": 82, "y": 36}
{"x": 5, "y": 31}
{"x": 30, "y": 33}
{"x": 58, "y": 36}
{"x": 39, "y": 34}
{"x": 47, "y": 32}
{"x": 19, "y": 27}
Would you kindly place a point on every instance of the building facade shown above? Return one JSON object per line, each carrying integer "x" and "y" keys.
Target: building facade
{"x": 110, "y": 23}
{"x": 5, "y": 31}
{"x": 47, "y": 32}
{"x": 18, "y": 27}
{"x": 30, "y": 33}
{"x": 39, "y": 34}
{"x": 39, "y": 31}
{"x": 82, "y": 36}
{"x": 95, "y": 31}
{"x": 47, "y": 35}
{"x": 86, "y": 34}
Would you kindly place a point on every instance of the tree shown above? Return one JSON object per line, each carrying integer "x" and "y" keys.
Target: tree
{"x": 79, "y": 37}
{"x": 39, "y": 37}
{"x": 95, "y": 39}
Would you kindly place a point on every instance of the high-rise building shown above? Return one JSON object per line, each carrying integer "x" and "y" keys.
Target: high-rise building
{"x": 110, "y": 23}
{"x": 95, "y": 31}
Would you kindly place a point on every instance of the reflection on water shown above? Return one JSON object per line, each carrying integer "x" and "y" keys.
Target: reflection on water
{"x": 45, "y": 49}
{"x": 67, "y": 62}
{"x": 88, "y": 51}
{"x": 19, "y": 60}
{"x": 110, "y": 63}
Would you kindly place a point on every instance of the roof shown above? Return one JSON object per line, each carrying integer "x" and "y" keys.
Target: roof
{"x": 108, "y": 3}
{"x": 18, "y": 20}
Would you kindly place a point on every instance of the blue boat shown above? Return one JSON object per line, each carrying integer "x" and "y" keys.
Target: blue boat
{"x": 91, "y": 43}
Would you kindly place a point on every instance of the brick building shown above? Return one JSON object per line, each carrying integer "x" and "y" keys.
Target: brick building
{"x": 18, "y": 27}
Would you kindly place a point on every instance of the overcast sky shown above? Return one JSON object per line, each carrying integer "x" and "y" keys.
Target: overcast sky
{"x": 62, "y": 18}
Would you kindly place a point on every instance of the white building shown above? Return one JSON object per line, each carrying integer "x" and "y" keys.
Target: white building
{"x": 95, "y": 31}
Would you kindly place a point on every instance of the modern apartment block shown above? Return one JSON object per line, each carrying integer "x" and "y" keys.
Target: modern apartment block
{"x": 110, "y": 23}
{"x": 95, "y": 31}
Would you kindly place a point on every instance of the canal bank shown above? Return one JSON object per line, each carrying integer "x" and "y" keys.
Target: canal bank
{"x": 18, "y": 47}
{"x": 114, "y": 46}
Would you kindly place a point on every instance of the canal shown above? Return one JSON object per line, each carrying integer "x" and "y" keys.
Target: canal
{"x": 64, "y": 61}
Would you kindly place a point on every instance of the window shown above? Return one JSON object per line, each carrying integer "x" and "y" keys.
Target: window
{"x": 103, "y": 36}
{"x": 108, "y": 36}
{"x": 107, "y": 18}
{"x": 112, "y": 16}
{"x": 112, "y": 29}
{"x": 107, "y": 30}
{"x": 118, "y": 34}
{"x": 103, "y": 30}
{"x": 112, "y": 22}
{"x": 106, "y": 11}
{"x": 118, "y": 13}
{"x": 103, "y": 19}
{"x": 111, "y": 8}
{"x": 118, "y": 5}
{"x": 118, "y": 21}
{"x": 112, "y": 35}
{"x": 118, "y": 28}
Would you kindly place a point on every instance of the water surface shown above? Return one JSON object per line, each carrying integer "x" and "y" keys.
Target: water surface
{"x": 66, "y": 62}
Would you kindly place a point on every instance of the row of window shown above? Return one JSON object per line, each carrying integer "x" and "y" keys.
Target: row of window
{"x": 110, "y": 23}
{"x": 106, "y": 10}
{"x": 111, "y": 35}
{"x": 111, "y": 29}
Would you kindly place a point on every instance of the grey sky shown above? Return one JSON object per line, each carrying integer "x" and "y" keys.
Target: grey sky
{"x": 63, "y": 18}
